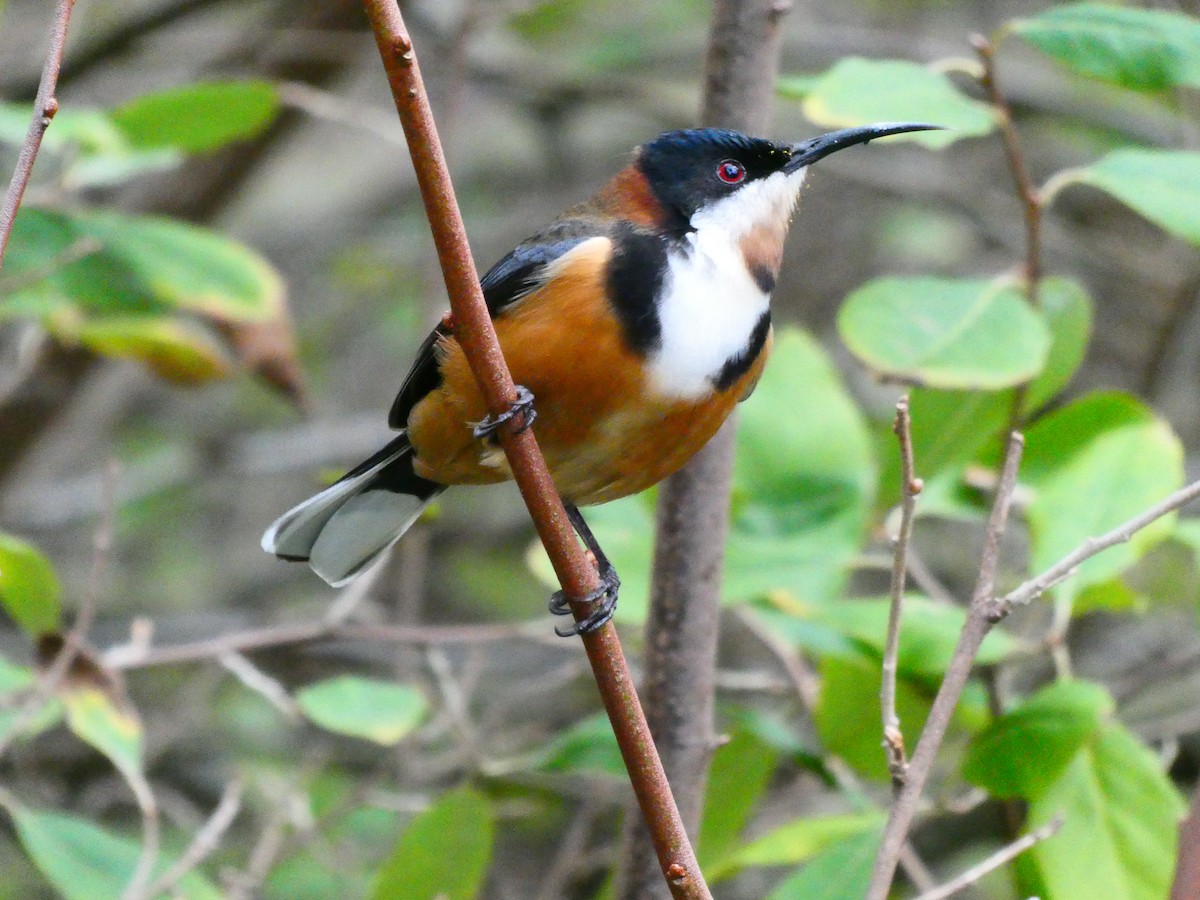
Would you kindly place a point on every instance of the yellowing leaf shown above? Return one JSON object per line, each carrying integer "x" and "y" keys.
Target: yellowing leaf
{"x": 173, "y": 349}
{"x": 380, "y": 711}
{"x": 96, "y": 719}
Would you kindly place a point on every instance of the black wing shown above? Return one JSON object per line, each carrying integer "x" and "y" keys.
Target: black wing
{"x": 505, "y": 283}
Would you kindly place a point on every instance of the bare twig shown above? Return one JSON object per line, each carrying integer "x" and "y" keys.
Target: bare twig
{"x": 50, "y": 681}
{"x": 910, "y": 487}
{"x": 136, "y": 655}
{"x": 45, "y": 105}
{"x": 980, "y": 619}
{"x": 995, "y": 861}
{"x": 576, "y": 573}
{"x": 207, "y": 839}
{"x": 805, "y": 683}
{"x": 1067, "y": 566}
{"x": 1027, "y": 191}
{"x": 148, "y": 857}
{"x": 261, "y": 683}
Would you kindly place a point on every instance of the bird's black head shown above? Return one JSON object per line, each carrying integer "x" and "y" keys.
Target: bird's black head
{"x": 694, "y": 169}
{"x": 690, "y": 169}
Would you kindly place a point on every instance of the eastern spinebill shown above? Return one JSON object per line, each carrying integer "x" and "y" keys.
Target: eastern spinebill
{"x": 633, "y": 324}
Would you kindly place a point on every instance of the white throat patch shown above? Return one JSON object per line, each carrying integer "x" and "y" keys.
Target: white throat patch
{"x": 710, "y": 303}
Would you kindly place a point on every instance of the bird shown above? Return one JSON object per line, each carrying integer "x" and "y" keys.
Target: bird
{"x": 632, "y": 325}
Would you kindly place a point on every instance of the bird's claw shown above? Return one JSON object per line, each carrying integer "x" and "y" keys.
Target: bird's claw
{"x": 522, "y": 406}
{"x": 604, "y": 597}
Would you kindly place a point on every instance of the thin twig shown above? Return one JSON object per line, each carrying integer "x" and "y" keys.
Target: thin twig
{"x": 576, "y": 573}
{"x": 45, "y": 105}
{"x": 1027, "y": 191}
{"x": 808, "y": 690}
{"x": 980, "y": 619}
{"x": 50, "y": 681}
{"x": 261, "y": 683}
{"x": 995, "y": 861}
{"x": 910, "y": 487}
{"x": 206, "y": 841}
{"x": 136, "y": 655}
{"x": 1069, "y": 564}
{"x": 148, "y": 857}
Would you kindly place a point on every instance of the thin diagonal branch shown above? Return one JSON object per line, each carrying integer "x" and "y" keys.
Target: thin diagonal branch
{"x": 995, "y": 861}
{"x": 1066, "y": 567}
{"x": 576, "y": 573}
{"x": 207, "y": 839}
{"x": 980, "y": 619}
{"x": 45, "y": 105}
{"x": 910, "y": 487}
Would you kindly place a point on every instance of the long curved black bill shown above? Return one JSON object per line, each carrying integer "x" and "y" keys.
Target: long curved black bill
{"x": 808, "y": 152}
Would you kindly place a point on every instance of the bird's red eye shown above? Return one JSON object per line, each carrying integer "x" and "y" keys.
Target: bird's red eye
{"x": 731, "y": 171}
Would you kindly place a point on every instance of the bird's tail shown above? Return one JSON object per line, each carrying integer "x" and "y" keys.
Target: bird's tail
{"x": 342, "y": 530}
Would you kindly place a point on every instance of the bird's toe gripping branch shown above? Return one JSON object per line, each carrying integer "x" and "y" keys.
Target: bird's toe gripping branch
{"x": 522, "y": 406}
{"x": 604, "y": 598}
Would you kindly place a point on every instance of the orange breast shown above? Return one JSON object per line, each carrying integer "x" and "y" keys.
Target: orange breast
{"x": 601, "y": 428}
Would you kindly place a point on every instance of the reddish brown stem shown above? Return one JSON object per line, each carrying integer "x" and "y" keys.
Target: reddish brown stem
{"x": 44, "y": 107}
{"x": 578, "y": 576}
{"x": 1027, "y": 191}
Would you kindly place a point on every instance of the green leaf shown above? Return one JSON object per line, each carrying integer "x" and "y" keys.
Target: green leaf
{"x": 380, "y": 711}
{"x": 49, "y": 715}
{"x": 1162, "y": 185}
{"x": 862, "y": 91}
{"x": 139, "y": 265}
{"x": 97, "y": 720}
{"x": 1067, "y": 309}
{"x": 841, "y": 872}
{"x": 29, "y": 589}
{"x": 97, "y": 152}
{"x": 739, "y": 774}
{"x": 803, "y": 482}
{"x": 949, "y": 428}
{"x": 198, "y": 117}
{"x": 85, "y": 862}
{"x": 1140, "y": 49}
{"x": 804, "y": 478}
{"x": 1094, "y": 464}
{"x": 797, "y": 841}
{"x": 1025, "y": 751}
{"x": 1119, "y": 833}
{"x": 443, "y": 854}
{"x": 942, "y": 333}
{"x": 847, "y": 716}
{"x": 14, "y": 678}
{"x": 587, "y": 746}
{"x": 176, "y": 350}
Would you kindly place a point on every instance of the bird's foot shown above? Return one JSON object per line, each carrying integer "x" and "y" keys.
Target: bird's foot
{"x": 522, "y": 406}
{"x": 604, "y": 598}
